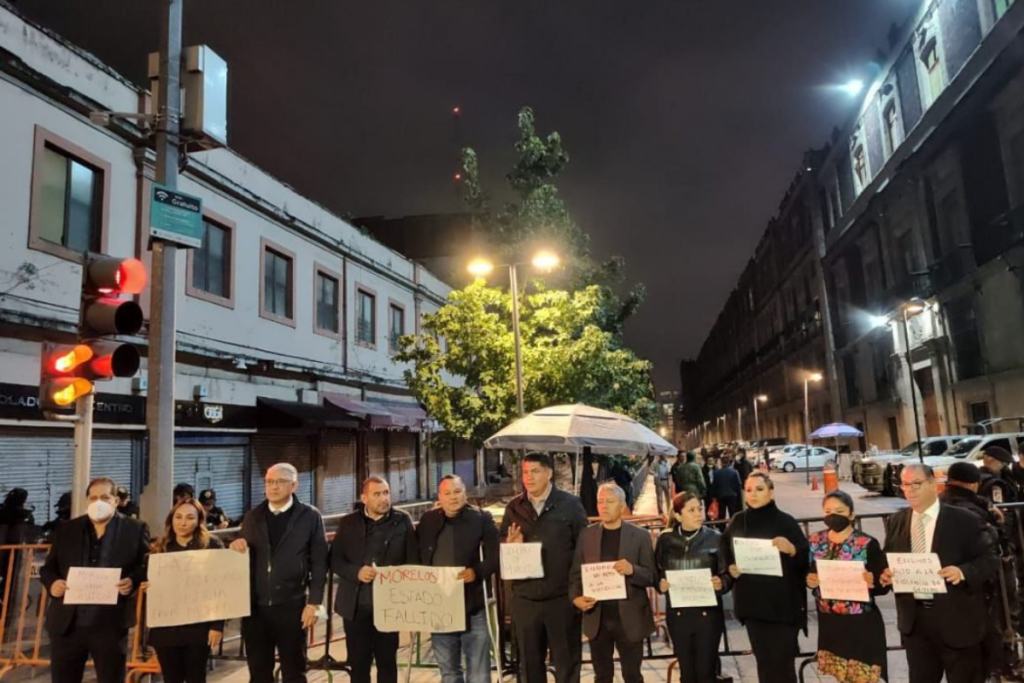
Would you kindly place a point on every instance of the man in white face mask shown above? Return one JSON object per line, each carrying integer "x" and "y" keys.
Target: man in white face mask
{"x": 99, "y": 539}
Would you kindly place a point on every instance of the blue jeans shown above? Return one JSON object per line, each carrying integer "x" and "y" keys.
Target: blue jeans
{"x": 474, "y": 644}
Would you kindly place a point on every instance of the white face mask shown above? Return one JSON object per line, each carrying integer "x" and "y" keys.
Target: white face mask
{"x": 100, "y": 510}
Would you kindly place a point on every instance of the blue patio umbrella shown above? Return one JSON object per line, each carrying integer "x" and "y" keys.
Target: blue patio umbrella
{"x": 836, "y": 430}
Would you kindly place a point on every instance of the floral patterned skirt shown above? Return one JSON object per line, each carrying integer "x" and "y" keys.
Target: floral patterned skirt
{"x": 851, "y": 647}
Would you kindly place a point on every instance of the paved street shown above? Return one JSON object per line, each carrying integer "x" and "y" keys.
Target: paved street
{"x": 795, "y": 497}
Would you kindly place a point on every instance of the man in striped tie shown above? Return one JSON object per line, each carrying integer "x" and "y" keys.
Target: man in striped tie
{"x": 942, "y": 632}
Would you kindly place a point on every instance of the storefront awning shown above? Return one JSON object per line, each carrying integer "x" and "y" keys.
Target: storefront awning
{"x": 273, "y": 413}
{"x": 380, "y": 415}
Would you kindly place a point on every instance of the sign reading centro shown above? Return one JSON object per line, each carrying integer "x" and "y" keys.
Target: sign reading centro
{"x": 419, "y": 598}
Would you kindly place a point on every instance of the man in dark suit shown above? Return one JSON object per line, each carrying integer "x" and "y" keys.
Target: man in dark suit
{"x": 375, "y": 536}
{"x": 99, "y": 539}
{"x": 542, "y": 615}
{"x": 288, "y": 555}
{"x": 943, "y": 633}
{"x": 615, "y": 624}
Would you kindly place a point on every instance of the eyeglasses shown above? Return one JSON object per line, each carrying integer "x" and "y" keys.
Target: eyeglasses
{"x": 914, "y": 485}
{"x": 279, "y": 482}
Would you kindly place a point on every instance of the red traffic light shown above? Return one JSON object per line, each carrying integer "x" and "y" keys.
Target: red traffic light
{"x": 112, "y": 275}
{"x": 66, "y": 361}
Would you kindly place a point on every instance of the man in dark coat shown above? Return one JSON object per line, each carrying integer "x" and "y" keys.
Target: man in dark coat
{"x": 727, "y": 489}
{"x": 458, "y": 535}
{"x": 288, "y": 557}
{"x": 99, "y": 539}
{"x": 376, "y": 535}
{"x": 542, "y": 614}
{"x": 943, "y": 632}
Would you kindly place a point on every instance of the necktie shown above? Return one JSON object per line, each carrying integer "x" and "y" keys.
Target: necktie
{"x": 919, "y": 544}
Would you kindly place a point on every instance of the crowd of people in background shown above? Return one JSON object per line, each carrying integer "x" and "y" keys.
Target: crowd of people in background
{"x": 966, "y": 634}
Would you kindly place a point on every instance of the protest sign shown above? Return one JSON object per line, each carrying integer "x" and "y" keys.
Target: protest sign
{"x": 602, "y": 582}
{"x": 916, "y": 573}
{"x": 418, "y": 598}
{"x": 757, "y": 556}
{"x": 842, "y": 580}
{"x": 521, "y": 561}
{"x": 690, "y": 588}
{"x": 92, "y": 586}
{"x": 197, "y": 586}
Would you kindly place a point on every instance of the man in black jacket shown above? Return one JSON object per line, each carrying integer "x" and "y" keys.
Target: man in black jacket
{"x": 942, "y": 632}
{"x": 374, "y": 536}
{"x": 454, "y": 535}
{"x": 542, "y": 614}
{"x": 100, "y": 538}
{"x": 288, "y": 558}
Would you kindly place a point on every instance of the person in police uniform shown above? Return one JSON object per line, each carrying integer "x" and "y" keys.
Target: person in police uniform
{"x": 215, "y": 517}
{"x": 996, "y": 484}
{"x": 125, "y": 505}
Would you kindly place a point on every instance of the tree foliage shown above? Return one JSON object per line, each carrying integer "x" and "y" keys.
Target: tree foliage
{"x": 568, "y": 357}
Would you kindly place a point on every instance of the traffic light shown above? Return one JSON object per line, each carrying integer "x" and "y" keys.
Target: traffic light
{"x": 67, "y": 372}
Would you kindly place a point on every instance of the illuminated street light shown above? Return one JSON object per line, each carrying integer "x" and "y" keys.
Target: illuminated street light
{"x": 853, "y": 87}
{"x": 761, "y": 398}
{"x": 480, "y": 267}
{"x": 545, "y": 260}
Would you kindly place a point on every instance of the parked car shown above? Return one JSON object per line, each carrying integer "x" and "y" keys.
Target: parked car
{"x": 968, "y": 449}
{"x": 814, "y": 458}
{"x": 761, "y": 444}
{"x": 875, "y": 473}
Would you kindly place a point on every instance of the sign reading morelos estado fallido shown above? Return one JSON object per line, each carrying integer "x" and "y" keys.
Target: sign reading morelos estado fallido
{"x": 21, "y": 402}
{"x": 175, "y": 217}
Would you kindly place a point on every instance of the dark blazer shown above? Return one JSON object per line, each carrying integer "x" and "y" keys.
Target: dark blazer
{"x": 349, "y": 545}
{"x": 635, "y": 610}
{"x": 186, "y": 634}
{"x": 296, "y": 566}
{"x": 476, "y": 529}
{"x": 129, "y": 543}
{"x": 960, "y": 541}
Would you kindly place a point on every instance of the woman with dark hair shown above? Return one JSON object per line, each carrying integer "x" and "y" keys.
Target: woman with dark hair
{"x": 773, "y": 608}
{"x": 851, "y": 635}
{"x": 695, "y": 631}
{"x": 183, "y": 651}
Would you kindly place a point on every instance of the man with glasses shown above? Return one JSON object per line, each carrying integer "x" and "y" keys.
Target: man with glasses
{"x": 943, "y": 633}
{"x": 288, "y": 558}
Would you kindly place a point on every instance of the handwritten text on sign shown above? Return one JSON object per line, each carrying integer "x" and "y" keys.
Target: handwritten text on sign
{"x": 602, "y": 582}
{"x": 521, "y": 561}
{"x": 916, "y": 573}
{"x": 757, "y": 556}
{"x": 92, "y": 586}
{"x": 196, "y": 586}
{"x": 417, "y": 598}
{"x": 842, "y": 580}
{"x": 690, "y": 588}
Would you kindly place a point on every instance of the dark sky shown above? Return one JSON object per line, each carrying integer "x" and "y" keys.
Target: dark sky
{"x": 685, "y": 120}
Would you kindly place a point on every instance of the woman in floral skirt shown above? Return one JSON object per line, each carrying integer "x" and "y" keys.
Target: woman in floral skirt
{"x": 851, "y": 635}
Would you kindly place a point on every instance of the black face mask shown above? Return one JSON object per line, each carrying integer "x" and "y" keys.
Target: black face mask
{"x": 837, "y": 523}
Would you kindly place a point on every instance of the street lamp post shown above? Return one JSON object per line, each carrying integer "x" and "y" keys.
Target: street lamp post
{"x": 757, "y": 423}
{"x": 912, "y": 307}
{"x": 812, "y": 377}
{"x": 739, "y": 423}
{"x": 481, "y": 267}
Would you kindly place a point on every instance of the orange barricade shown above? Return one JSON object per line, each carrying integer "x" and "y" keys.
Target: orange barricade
{"x": 831, "y": 479}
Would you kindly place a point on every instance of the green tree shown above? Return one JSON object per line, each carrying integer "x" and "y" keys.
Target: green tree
{"x": 463, "y": 364}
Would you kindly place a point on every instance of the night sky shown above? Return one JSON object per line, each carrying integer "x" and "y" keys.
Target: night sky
{"x": 685, "y": 120}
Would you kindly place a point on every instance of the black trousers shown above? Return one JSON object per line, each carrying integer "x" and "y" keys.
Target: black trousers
{"x": 183, "y": 663}
{"x": 611, "y": 637}
{"x": 276, "y": 628}
{"x": 775, "y": 649}
{"x": 695, "y": 635}
{"x": 366, "y": 645}
{"x": 730, "y": 505}
{"x": 928, "y": 658}
{"x": 107, "y": 645}
{"x": 544, "y": 624}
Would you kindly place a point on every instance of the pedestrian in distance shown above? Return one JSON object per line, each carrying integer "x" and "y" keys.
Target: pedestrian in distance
{"x": 99, "y": 539}
{"x": 851, "y": 635}
{"x": 376, "y": 535}
{"x": 215, "y": 517}
{"x": 182, "y": 492}
{"x": 184, "y": 651}
{"x": 743, "y": 466}
{"x": 726, "y": 489}
{"x": 615, "y": 625}
{"x": 942, "y": 632}
{"x": 542, "y": 615}
{"x": 695, "y": 631}
{"x": 662, "y": 485}
{"x": 688, "y": 477}
{"x": 458, "y": 535}
{"x": 772, "y": 608}
{"x": 287, "y": 550}
{"x": 125, "y": 505}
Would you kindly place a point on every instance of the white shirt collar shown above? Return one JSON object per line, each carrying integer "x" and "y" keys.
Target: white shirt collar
{"x": 543, "y": 497}
{"x": 932, "y": 512}
{"x": 274, "y": 510}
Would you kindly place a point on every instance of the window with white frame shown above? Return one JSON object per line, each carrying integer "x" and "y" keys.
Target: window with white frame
{"x": 860, "y": 167}
{"x": 328, "y": 297}
{"x": 278, "y": 293}
{"x": 366, "y": 317}
{"x": 211, "y": 262}
{"x": 933, "y": 70}
{"x": 891, "y": 126}
{"x": 396, "y": 326}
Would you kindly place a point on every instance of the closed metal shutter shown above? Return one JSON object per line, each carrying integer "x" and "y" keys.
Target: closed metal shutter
{"x": 294, "y": 450}
{"x": 440, "y": 465}
{"x": 215, "y": 466}
{"x": 402, "y": 466}
{"x": 112, "y": 456}
{"x": 338, "y": 473}
{"x": 465, "y": 463}
{"x": 375, "y": 454}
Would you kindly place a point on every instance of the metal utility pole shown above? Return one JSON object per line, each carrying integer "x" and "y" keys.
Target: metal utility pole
{"x": 910, "y": 384}
{"x": 83, "y": 454}
{"x": 156, "y": 498}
